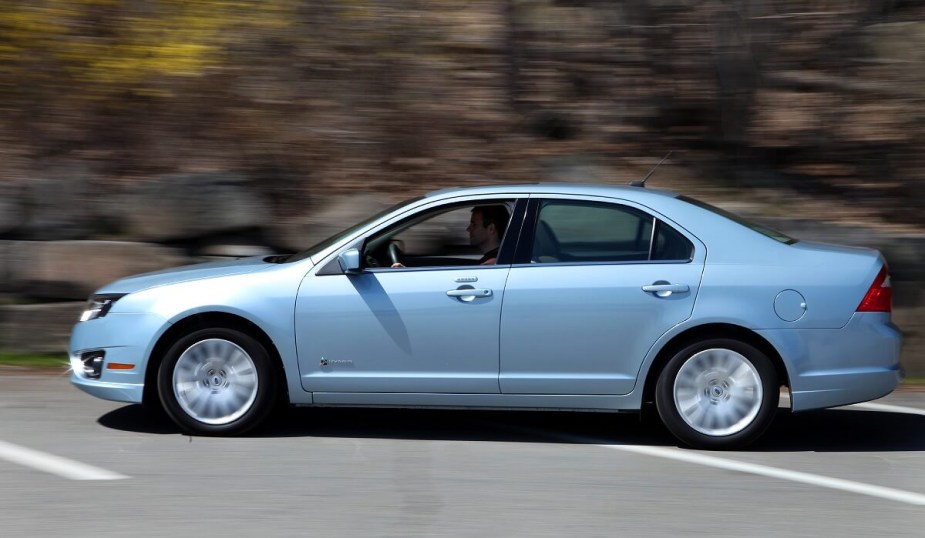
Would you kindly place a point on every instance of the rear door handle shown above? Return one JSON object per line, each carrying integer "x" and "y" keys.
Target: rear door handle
{"x": 467, "y": 294}
{"x": 665, "y": 289}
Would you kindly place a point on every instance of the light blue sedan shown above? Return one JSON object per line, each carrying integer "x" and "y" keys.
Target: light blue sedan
{"x": 596, "y": 298}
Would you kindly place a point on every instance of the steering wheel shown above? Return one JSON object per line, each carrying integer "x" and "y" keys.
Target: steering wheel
{"x": 394, "y": 253}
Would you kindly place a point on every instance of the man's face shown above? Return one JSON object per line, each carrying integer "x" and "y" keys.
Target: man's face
{"x": 479, "y": 234}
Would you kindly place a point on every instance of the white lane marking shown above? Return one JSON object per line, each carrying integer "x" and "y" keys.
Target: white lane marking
{"x": 892, "y": 494}
{"x": 889, "y": 408}
{"x": 57, "y": 465}
{"x": 698, "y": 458}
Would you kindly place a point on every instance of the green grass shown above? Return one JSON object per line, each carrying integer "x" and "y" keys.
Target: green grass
{"x": 34, "y": 361}
{"x": 914, "y": 380}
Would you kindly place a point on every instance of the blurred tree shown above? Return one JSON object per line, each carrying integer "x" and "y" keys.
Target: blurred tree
{"x": 71, "y": 68}
{"x": 103, "y": 44}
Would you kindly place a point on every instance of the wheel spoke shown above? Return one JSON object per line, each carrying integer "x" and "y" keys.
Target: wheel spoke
{"x": 198, "y": 401}
{"x": 187, "y": 387}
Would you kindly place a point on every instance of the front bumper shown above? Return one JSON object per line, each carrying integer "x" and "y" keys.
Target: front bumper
{"x": 115, "y": 391}
{"x": 126, "y": 339}
{"x": 834, "y": 367}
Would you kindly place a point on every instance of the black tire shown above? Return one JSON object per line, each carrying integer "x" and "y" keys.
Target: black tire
{"x": 718, "y": 394}
{"x": 229, "y": 379}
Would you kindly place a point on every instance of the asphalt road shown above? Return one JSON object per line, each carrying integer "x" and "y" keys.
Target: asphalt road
{"x": 855, "y": 471}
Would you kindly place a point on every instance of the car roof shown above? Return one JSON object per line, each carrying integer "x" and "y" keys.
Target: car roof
{"x": 612, "y": 191}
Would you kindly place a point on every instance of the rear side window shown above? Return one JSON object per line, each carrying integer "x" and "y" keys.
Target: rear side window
{"x": 570, "y": 231}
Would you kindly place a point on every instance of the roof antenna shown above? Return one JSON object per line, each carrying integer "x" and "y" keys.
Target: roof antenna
{"x": 642, "y": 183}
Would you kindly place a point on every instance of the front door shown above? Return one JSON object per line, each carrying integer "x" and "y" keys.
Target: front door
{"x": 430, "y": 330}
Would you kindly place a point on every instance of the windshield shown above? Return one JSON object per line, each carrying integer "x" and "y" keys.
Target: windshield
{"x": 311, "y": 251}
{"x": 763, "y": 230}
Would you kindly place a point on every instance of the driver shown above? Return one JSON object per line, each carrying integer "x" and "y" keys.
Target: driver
{"x": 486, "y": 228}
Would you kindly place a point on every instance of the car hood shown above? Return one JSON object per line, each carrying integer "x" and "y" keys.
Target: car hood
{"x": 187, "y": 273}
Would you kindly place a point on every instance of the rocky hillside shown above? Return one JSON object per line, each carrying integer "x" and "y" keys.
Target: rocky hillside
{"x": 817, "y": 97}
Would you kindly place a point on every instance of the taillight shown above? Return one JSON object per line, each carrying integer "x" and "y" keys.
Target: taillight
{"x": 879, "y": 297}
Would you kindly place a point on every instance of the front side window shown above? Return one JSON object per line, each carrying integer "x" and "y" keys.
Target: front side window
{"x": 461, "y": 234}
{"x": 569, "y": 231}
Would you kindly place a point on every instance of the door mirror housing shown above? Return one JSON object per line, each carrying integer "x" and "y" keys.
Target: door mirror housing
{"x": 349, "y": 260}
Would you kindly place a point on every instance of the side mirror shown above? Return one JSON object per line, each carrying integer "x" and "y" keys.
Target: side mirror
{"x": 349, "y": 260}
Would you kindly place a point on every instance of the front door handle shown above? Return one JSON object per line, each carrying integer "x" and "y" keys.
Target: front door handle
{"x": 662, "y": 288}
{"x": 467, "y": 294}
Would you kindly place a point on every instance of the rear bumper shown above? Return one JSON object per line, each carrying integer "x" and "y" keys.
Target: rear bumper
{"x": 845, "y": 387}
{"x": 832, "y": 367}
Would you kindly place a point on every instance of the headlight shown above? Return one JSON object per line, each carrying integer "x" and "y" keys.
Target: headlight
{"x": 99, "y": 305}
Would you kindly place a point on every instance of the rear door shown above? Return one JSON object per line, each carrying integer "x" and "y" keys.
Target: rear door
{"x": 596, "y": 283}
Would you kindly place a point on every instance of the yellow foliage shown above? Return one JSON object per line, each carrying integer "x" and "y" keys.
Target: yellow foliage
{"x": 113, "y": 43}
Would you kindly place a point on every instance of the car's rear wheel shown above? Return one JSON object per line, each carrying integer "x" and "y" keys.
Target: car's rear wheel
{"x": 717, "y": 394}
{"x": 216, "y": 382}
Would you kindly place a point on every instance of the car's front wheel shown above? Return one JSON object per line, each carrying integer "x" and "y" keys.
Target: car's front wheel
{"x": 717, "y": 394}
{"x": 216, "y": 382}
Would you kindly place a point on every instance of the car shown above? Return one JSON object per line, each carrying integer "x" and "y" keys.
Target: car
{"x": 599, "y": 298}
